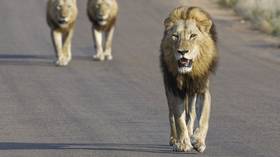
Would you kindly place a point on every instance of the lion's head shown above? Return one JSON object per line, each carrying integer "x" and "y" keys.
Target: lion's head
{"x": 189, "y": 43}
{"x": 64, "y": 12}
{"x": 103, "y": 11}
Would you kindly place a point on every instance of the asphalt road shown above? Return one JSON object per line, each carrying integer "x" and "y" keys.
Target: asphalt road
{"x": 118, "y": 108}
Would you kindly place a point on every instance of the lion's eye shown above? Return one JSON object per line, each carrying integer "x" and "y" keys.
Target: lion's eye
{"x": 58, "y": 7}
{"x": 193, "y": 36}
{"x": 175, "y": 36}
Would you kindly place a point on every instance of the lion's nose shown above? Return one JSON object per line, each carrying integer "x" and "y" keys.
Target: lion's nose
{"x": 182, "y": 51}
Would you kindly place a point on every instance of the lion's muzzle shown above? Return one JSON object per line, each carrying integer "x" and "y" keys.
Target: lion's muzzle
{"x": 184, "y": 62}
{"x": 62, "y": 21}
{"x": 102, "y": 20}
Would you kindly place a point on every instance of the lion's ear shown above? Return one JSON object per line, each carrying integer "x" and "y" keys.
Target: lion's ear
{"x": 205, "y": 25}
{"x": 168, "y": 23}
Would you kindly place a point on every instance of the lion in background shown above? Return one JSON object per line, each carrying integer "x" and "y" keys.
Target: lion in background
{"x": 61, "y": 18}
{"x": 103, "y": 16}
{"x": 188, "y": 56}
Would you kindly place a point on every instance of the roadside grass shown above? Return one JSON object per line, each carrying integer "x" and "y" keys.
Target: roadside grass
{"x": 265, "y": 14}
{"x": 227, "y": 3}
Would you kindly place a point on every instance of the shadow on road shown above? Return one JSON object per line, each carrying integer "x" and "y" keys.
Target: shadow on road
{"x": 36, "y": 60}
{"x": 148, "y": 148}
{"x": 25, "y": 59}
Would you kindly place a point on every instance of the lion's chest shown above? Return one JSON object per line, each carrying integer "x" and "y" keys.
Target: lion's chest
{"x": 191, "y": 85}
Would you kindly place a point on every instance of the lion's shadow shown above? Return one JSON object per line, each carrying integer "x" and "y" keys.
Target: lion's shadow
{"x": 148, "y": 148}
{"x": 31, "y": 59}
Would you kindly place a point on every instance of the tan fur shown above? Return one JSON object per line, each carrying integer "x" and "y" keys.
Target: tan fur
{"x": 206, "y": 44}
{"x": 103, "y": 15}
{"x": 189, "y": 33}
{"x": 61, "y": 18}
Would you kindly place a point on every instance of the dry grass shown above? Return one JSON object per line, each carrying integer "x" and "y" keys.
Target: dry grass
{"x": 227, "y": 3}
{"x": 265, "y": 14}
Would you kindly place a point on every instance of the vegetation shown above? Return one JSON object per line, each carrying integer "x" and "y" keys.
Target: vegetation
{"x": 265, "y": 14}
{"x": 228, "y": 3}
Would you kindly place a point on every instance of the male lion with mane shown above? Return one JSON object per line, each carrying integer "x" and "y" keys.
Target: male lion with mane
{"x": 61, "y": 18}
{"x": 188, "y": 56}
{"x": 103, "y": 16}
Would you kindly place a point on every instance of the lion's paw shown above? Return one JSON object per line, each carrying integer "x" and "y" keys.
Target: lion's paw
{"x": 99, "y": 57}
{"x": 109, "y": 57}
{"x": 172, "y": 141}
{"x": 108, "y": 54}
{"x": 182, "y": 146}
{"x": 62, "y": 62}
{"x": 198, "y": 144}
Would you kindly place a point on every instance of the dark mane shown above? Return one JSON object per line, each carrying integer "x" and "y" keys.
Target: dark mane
{"x": 182, "y": 84}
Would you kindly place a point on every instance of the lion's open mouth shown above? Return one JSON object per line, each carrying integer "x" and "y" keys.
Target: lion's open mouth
{"x": 101, "y": 21}
{"x": 101, "y": 18}
{"x": 184, "y": 62}
{"x": 62, "y": 21}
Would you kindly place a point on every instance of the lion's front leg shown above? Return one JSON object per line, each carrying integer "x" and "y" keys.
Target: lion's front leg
{"x": 173, "y": 133}
{"x": 67, "y": 38}
{"x": 58, "y": 46}
{"x": 97, "y": 38}
{"x": 203, "y": 115}
{"x": 108, "y": 44}
{"x": 183, "y": 143}
{"x": 191, "y": 113}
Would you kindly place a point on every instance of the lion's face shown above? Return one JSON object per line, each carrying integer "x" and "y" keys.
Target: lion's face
{"x": 184, "y": 37}
{"x": 103, "y": 10}
{"x": 64, "y": 11}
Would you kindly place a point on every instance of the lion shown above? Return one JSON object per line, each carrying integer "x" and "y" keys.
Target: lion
{"x": 103, "y": 16}
{"x": 188, "y": 56}
{"x": 61, "y": 18}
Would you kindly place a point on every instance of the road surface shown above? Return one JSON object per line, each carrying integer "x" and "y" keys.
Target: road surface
{"x": 118, "y": 108}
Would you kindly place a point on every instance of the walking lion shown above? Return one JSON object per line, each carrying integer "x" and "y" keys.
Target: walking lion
{"x": 103, "y": 16}
{"x": 188, "y": 56}
{"x": 61, "y": 18}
